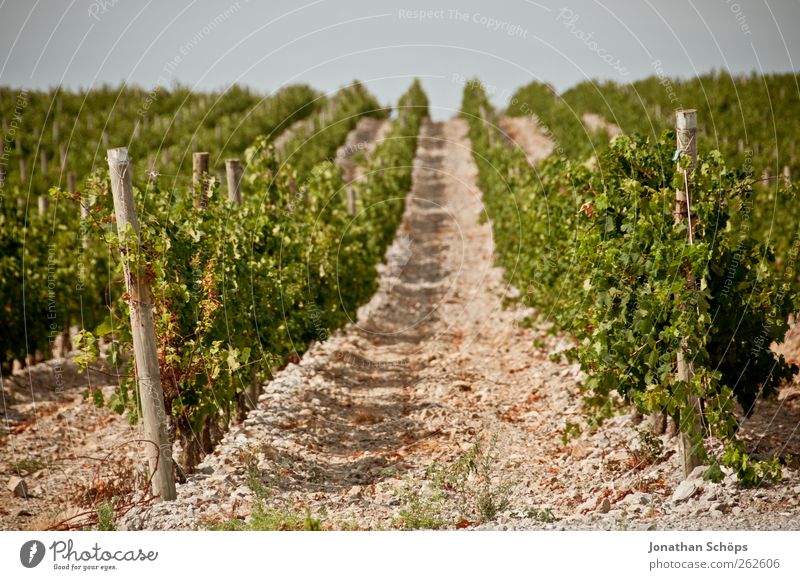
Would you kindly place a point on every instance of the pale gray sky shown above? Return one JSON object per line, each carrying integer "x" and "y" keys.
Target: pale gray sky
{"x": 327, "y": 43}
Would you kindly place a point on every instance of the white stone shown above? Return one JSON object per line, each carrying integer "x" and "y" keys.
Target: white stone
{"x": 685, "y": 490}
{"x": 18, "y": 487}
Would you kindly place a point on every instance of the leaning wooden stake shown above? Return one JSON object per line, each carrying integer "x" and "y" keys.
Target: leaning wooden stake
{"x": 145, "y": 351}
{"x": 233, "y": 172}
{"x": 200, "y": 178}
{"x": 691, "y": 421}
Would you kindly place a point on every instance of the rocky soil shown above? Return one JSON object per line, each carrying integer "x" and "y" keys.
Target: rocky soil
{"x": 441, "y": 406}
{"x": 59, "y": 453}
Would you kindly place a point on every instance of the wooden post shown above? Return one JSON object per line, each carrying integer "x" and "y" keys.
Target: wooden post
{"x": 351, "y": 201}
{"x": 200, "y": 178}
{"x": 690, "y": 421}
{"x": 44, "y": 200}
{"x": 787, "y": 175}
{"x": 145, "y": 351}
{"x": 72, "y": 187}
{"x": 23, "y": 170}
{"x": 233, "y": 171}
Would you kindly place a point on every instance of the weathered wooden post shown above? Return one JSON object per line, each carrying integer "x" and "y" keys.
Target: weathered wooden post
{"x": 71, "y": 184}
{"x": 233, "y": 172}
{"x": 351, "y": 201}
{"x": 44, "y": 200}
{"x": 200, "y": 178}
{"x": 787, "y": 175}
{"x": 691, "y": 420}
{"x": 145, "y": 350}
{"x": 23, "y": 170}
{"x": 44, "y": 204}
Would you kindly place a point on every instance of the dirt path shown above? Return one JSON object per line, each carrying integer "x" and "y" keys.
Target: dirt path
{"x": 433, "y": 366}
{"x": 360, "y": 144}
{"x": 595, "y": 123}
{"x": 525, "y": 133}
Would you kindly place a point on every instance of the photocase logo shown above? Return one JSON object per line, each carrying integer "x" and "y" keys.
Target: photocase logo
{"x": 31, "y": 553}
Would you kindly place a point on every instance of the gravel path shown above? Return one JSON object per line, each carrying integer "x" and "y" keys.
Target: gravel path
{"x": 523, "y": 132}
{"x": 595, "y": 122}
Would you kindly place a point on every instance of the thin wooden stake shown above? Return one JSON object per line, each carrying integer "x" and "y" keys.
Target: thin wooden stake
{"x": 691, "y": 423}
{"x": 200, "y": 178}
{"x": 145, "y": 350}
{"x": 233, "y": 171}
{"x": 351, "y": 201}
